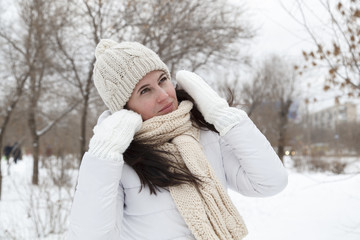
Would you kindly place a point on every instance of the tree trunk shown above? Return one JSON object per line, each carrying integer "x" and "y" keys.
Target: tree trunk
{"x": 35, "y": 177}
{"x": 281, "y": 150}
{"x": 83, "y": 128}
{"x": 2, "y": 131}
{"x": 84, "y": 115}
{"x": 284, "y": 111}
{"x": 34, "y": 145}
{"x": 35, "y": 87}
{"x": 0, "y": 171}
{"x": 282, "y": 132}
{"x": 5, "y": 122}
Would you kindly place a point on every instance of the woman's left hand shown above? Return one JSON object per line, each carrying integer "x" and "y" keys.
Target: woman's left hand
{"x": 214, "y": 108}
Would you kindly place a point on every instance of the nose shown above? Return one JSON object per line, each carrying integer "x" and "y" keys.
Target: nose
{"x": 162, "y": 95}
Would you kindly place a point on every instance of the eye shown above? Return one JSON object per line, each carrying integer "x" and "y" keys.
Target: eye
{"x": 163, "y": 79}
{"x": 145, "y": 90}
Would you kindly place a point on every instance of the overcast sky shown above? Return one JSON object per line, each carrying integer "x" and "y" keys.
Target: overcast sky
{"x": 278, "y": 31}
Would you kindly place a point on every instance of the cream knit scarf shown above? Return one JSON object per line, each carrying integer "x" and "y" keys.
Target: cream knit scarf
{"x": 209, "y": 213}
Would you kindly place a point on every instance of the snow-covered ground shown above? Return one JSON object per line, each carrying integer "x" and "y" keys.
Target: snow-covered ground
{"x": 314, "y": 206}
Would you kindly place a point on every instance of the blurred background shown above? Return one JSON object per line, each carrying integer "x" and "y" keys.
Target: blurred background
{"x": 293, "y": 66}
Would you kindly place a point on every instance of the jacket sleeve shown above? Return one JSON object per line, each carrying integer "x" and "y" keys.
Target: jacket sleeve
{"x": 251, "y": 165}
{"x": 98, "y": 203}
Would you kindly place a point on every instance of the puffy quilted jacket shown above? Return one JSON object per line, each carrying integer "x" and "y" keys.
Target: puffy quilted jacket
{"x": 108, "y": 203}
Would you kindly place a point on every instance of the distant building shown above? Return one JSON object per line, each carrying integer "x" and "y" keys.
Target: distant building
{"x": 329, "y": 117}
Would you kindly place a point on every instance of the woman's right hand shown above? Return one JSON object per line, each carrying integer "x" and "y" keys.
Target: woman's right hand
{"x": 114, "y": 133}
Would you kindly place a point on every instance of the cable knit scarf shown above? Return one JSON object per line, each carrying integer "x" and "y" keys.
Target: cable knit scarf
{"x": 209, "y": 213}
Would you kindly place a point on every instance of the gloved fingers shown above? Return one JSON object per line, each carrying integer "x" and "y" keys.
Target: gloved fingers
{"x": 194, "y": 84}
{"x": 123, "y": 119}
{"x": 114, "y": 134}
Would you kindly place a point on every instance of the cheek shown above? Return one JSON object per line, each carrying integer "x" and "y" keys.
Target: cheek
{"x": 144, "y": 108}
{"x": 172, "y": 94}
{"x": 147, "y": 110}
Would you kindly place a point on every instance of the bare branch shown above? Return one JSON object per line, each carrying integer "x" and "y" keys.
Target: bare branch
{"x": 56, "y": 120}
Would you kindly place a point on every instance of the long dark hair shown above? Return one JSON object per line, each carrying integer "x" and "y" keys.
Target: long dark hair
{"x": 155, "y": 168}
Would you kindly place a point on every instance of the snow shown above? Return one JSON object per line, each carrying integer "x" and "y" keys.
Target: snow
{"x": 314, "y": 206}
{"x": 33, "y": 212}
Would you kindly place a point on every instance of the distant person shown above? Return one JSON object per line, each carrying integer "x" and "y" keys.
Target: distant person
{"x": 7, "y": 152}
{"x": 16, "y": 152}
{"x": 161, "y": 159}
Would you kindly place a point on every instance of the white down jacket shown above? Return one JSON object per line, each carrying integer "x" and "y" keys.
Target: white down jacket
{"x": 108, "y": 203}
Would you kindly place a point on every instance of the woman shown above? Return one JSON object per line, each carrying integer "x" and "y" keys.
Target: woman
{"x": 161, "y": 159}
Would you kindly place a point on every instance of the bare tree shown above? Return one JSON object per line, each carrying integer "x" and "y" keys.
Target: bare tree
{"x": 17, "y": 74}
{"x": 13, "y": 81}
{"x": 41, "y": 17}
{"x": 76, "y": 47}
{"x": 268, "y": 97}
{"x": 339, "y": 52}
{"x": 32, "y": 45}
{"x": 274, "y": 89}
{"x": 184, "y": 33}
{"x": 283, "y": 80}
{"x": 254, "y": 93}
{"x": 190, "y": 33}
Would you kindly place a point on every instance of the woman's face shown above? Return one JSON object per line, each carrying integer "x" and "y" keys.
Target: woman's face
{"x": 154, "y": 95}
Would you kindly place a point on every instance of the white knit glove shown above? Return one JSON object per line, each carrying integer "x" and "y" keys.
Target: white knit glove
{"x": 214, "y": 108}
{"x": 114, "y": 133}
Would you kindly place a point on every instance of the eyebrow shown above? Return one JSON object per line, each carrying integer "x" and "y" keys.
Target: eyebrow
{"x": 146, "y": 85}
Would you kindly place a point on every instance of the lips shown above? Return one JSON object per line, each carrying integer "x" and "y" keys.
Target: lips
{"x": 167, "y": 108}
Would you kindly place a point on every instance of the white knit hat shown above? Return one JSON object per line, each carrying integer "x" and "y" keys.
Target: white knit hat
{"x": 119, "y": 67}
